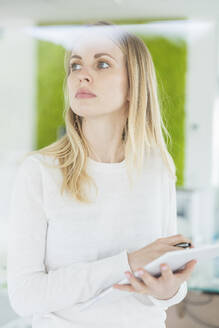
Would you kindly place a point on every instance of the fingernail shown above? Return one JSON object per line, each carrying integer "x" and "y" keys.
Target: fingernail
{"x": 140, "y": 272}
{"x": 128, "y": 275}
{"x": 164, "y": 267}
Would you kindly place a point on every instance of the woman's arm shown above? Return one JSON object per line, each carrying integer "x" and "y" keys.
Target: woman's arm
{"x": 171, "y": 229}
{"x": 31, "y": 289}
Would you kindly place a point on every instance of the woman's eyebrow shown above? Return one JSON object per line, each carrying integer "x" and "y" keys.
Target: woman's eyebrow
{"x": 95, "y": 56}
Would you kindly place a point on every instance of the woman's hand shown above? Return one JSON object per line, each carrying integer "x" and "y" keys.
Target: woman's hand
{"x": 150, "y": 252}
{"x": 164, "y": 287}
{"x": 167, "y": 285}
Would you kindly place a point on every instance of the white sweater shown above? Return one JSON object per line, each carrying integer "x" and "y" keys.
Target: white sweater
{"x": 62, "y": 253}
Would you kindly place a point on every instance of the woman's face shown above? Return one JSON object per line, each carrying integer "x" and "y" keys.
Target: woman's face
{"x": 103, "y": 75}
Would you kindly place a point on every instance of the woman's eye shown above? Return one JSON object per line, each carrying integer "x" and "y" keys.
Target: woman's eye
{"x": 72, "y": 65}
{"x": 100, "y": 62}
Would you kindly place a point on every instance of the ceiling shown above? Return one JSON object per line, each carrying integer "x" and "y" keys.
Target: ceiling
{"x": 14, "y": 11}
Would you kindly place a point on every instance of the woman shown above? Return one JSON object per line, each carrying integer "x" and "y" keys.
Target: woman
{"x": 66, "y": 247}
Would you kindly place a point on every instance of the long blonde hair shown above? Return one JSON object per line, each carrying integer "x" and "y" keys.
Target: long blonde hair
{"x": 143, "y": 130}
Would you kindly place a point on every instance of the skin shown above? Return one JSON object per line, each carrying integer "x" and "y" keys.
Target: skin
{"x": 103, "y": 117}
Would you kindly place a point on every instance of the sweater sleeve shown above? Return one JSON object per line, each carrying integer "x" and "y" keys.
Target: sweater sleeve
{"x": 31, "y": 289}
{"x": 171, "y": 229}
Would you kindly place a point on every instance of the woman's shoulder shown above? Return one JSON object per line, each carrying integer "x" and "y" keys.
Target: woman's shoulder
{"x": 161, "y": 161}
{"x": 33, "y": 163}
{"x": 154, "y": 157}
{"x": 32, "y": 158}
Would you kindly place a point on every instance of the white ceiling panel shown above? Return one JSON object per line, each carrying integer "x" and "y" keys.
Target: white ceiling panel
{"x": 71, "y": 10}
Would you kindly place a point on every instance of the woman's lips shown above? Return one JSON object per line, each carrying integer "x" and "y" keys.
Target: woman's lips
{"x": 84, "y": 95}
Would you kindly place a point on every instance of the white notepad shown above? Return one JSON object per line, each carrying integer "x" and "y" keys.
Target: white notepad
{"x": 175, "y": 259}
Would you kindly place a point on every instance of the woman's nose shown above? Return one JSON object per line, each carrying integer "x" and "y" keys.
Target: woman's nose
{"x": 84, "y": 75}
{"x": 84, "y": 78}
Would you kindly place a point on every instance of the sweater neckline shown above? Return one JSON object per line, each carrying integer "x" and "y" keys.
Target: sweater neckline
{"x": 105, "y": 166}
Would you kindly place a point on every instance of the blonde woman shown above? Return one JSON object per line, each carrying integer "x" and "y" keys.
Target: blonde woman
{"x": 100, "y": 202}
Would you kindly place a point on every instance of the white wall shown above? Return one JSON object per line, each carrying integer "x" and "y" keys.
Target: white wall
{"x": 201, "y": 95}
{"x": 17, "y": 111}
{"x": 17, "y": 89}
{"x": 200, "y": 105}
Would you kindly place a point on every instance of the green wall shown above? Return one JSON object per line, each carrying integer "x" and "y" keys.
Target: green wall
{"x": 50, "y": 97}
{"x": 170, "y": 59}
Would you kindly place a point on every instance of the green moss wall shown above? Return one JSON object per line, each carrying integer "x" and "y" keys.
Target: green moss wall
{"x": 170, "y": 63}
{"x": 170, "y": 59}
{"x": 50, "y": 97}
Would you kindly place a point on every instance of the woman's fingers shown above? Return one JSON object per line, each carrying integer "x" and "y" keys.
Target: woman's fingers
{"x": 174, "y": 248}
{"x": 166, "y": 271}
{"x": 136, "y": 285}
{"x": 176, "y": 239}
{"x": 187, "y": 271}
{"x": 147, "y": 277}
{"x": 125, "y": 287}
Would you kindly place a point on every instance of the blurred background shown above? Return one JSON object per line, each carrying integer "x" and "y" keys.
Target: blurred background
{"x": 183, "y": 38}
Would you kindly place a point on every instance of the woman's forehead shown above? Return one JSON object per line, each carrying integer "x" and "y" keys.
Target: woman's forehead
{"x": 96, "y": 45}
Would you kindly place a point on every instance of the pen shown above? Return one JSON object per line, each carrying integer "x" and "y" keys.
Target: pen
{"x": 184, "y": 245}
